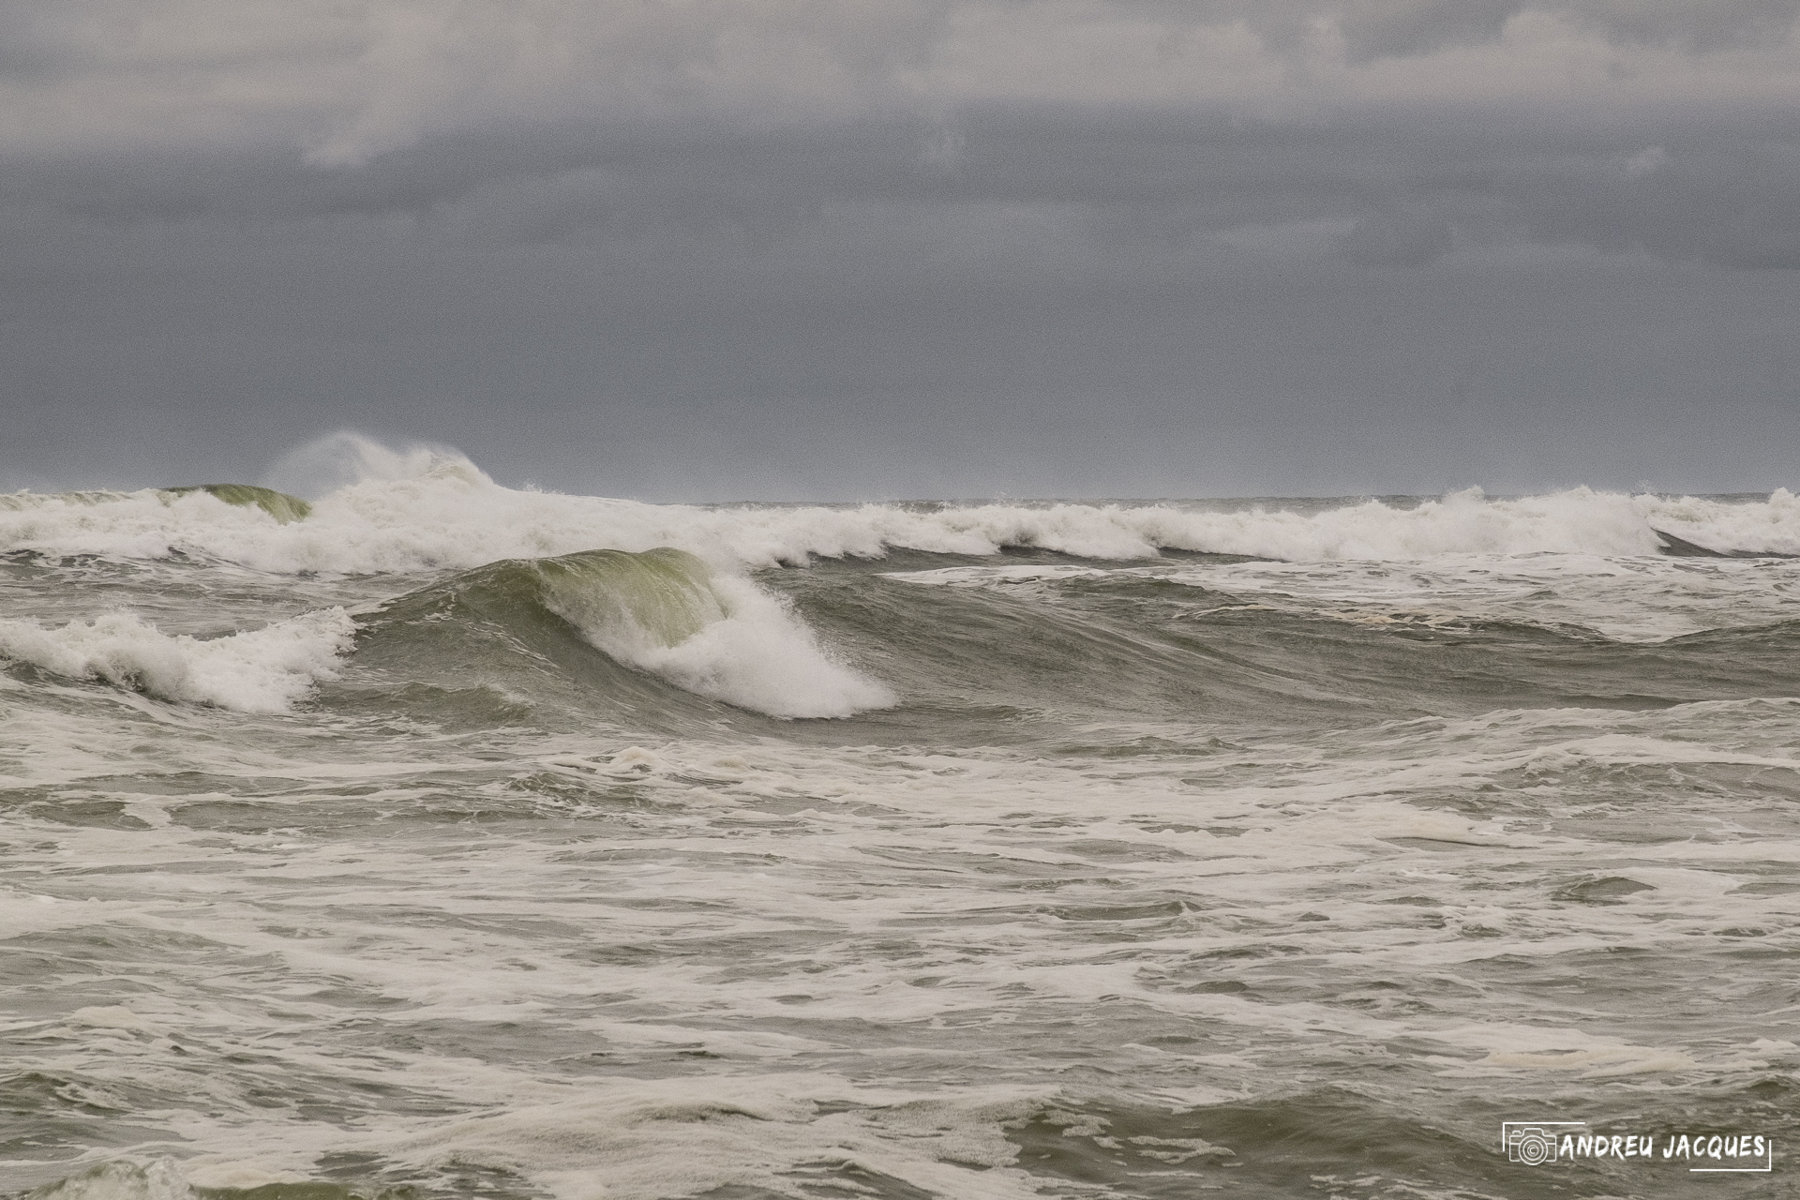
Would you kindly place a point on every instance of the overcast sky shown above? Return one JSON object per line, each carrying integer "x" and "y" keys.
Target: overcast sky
{"x": 891, "y": 248}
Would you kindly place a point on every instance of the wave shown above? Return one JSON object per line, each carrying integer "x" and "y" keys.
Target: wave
{"x": 160, "y": 1180}
{"x": 1250, "y": 647}
{"x": 257, "y": 671}
{"x": 279, "y": 505}
{"x": 1620, "y": 598}
{"x": 666, "y": 612}
{"x": 435, "y": 510}
{"x": 661, "y": 611}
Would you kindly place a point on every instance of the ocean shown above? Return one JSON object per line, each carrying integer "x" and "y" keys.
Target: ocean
{"x": 443, "y": 840}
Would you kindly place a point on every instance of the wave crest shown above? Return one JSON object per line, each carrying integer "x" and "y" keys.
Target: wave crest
{"x": 258, "y": 671}
{"x": 426, "y": 508}
{"x": 719, "y": 636}
{"x": 662, "y": 612}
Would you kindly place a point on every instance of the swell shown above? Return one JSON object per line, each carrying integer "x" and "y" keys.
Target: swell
{"x": 659, "y": 641}
{"x": 443, "y": 513}
{"x": 651, "y": 639}
{"x": 1102, "y": 650}
{"x": 655, "y": 636}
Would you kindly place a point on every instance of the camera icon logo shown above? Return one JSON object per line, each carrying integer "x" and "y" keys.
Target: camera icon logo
{"x": 1534, "y": 1142}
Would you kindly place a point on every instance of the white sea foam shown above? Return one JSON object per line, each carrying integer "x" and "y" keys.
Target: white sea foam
{"x": 584, "y": 960}
{"x": 422, "y": 508}
{"x": 864, "y": 985}
{"x": 258, "y": 671}
{"x": 643, "y": 1139}
{"x": 762, "y": 657}
{"x": 1627, "y": 598}
{"x": 716, "y": 635}
{"x": 160, "y": 1180}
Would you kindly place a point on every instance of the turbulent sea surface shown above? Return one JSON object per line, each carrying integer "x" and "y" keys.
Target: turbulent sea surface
{"x": 444, "y": 840}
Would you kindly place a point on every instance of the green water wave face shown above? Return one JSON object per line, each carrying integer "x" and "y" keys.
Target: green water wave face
{"x": 1037, "y": 653}
{"x": 664, "y": 595}
{"x": 283, "y": 507}
{"x": 1017, "y": 650}
{"x": 1161, "y": 876}
{"x": 644, "y": 638}
{"x": 492, "y": 645}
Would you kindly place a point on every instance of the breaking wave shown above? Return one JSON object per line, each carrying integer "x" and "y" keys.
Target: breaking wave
{"x": 722, "y": 637}
{"x": 433, "y": 509}
{"x": 661, "y": 611}
{"x": 257, "y": 671}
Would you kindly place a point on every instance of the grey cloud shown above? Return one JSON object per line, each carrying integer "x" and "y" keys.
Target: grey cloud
{"x": 1716, "y": 25}
{"x": 1734, "y": 201}
{"x": 1390, "y": 28}
{"x": 1402, "y": 28}
{"x": 1398, "y": 28}
{"x": 1130, "y": 182}
{"x": 1397, "y": 238}
{"x": 656, "y": 224}
{"x": 856, "y": 283}
{"x": 346, "y": 83}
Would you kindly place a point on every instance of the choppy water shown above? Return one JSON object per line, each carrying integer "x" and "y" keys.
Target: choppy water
{"x": 408, "y": 848}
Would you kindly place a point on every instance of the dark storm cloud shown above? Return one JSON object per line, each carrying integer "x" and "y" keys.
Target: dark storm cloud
{"x": 1404, "y": 166}
{"x": 1405, "y": 27}
{"x": 1677, "y": 187}
{"x": 788, "y": 235}
{"x": 1401, "y": 28}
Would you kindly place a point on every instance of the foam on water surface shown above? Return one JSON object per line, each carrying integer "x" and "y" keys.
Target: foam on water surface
{"x": 424, "y": 509}
{"x": 719, "y": 636}
{"x": 257, "y": 671}
{"x": 472, "y": 864}
{"x": 1626, "y": 598}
